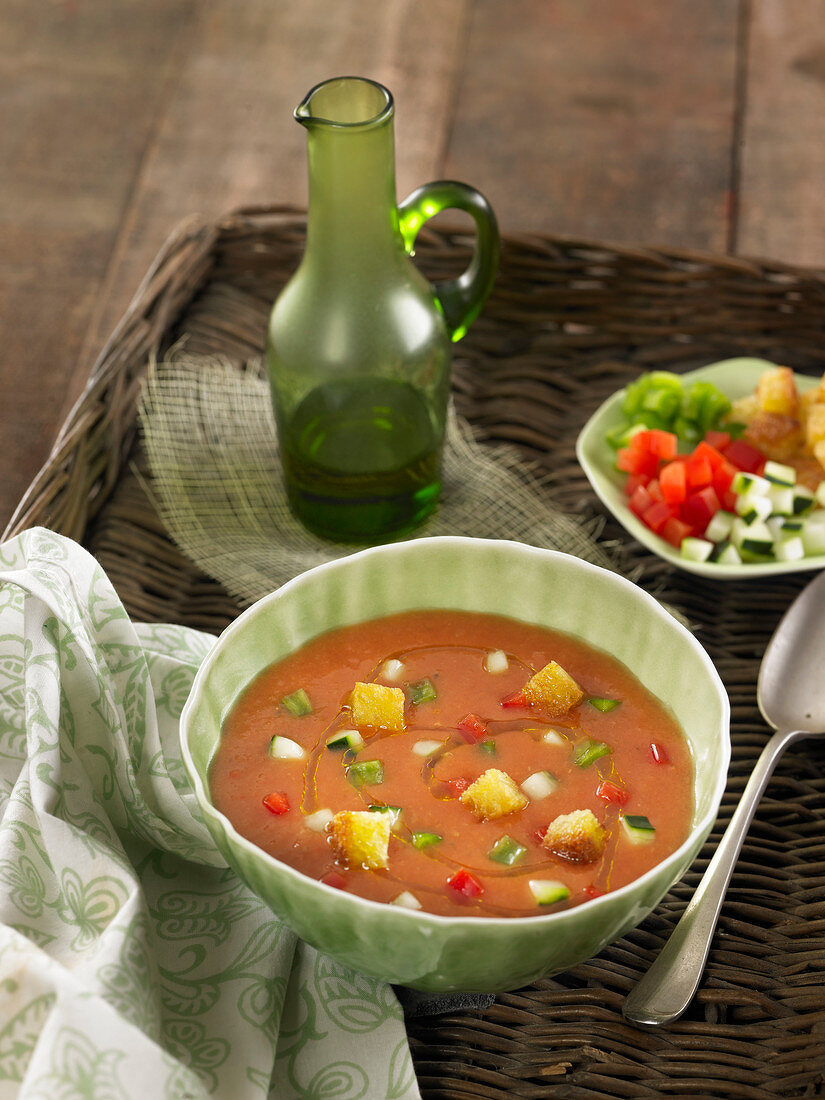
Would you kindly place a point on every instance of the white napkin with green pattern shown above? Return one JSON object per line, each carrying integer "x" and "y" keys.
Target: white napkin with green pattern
{"x": 133, "y": 963}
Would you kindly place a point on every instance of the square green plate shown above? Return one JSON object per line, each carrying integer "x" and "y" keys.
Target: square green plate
{"x": 734, "y": 377}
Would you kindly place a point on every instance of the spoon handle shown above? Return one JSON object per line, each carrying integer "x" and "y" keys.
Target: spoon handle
{"x": 667, "y": 988}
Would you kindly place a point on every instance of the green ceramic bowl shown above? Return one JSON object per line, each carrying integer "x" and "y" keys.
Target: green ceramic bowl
{"x": 422, "y": 950}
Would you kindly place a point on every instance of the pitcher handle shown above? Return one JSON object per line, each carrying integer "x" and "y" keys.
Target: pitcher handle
{"x": 461, "y": 299}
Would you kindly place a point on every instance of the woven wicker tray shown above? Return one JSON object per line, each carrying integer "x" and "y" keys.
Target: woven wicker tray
{"x": 568, "y": 323}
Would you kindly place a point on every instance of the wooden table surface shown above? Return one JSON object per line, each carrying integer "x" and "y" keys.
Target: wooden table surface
{"x": 687, "y": 123}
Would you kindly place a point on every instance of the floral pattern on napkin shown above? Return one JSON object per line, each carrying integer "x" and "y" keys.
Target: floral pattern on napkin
{"x": 133, "y": 962}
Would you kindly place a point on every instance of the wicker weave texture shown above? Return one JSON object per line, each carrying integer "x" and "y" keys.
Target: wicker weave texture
{"x": 568, "y": 322}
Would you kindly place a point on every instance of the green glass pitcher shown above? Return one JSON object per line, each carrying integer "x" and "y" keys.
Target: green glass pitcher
{"x": 359, "y": 342}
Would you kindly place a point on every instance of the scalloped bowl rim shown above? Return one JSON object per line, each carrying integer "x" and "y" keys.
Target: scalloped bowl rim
{"x": 701, "y": 826}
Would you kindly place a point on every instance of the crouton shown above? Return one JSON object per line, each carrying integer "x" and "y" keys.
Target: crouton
{"x": 362, "y": 837}
{"x": 815, "y": 425}
{"x": 776, "y": 392}
{"x": 494, "y": 794}
{"x": 553, "y": 690}
{"x": 577, "y": 837}
{"x": 377, "y": 706}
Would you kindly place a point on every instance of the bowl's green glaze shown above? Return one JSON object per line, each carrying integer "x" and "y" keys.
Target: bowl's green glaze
{"x": 537, "y": 586}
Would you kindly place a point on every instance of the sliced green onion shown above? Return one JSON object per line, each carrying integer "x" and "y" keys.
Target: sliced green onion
{"x": 298, "y": 703}
{"x": 489, "y": 747}
{"x": 638, "y": 828}
{"x": 283, "y": 748}
{"x": 604, "y": 705}
{"x": 424, "y": 748}
{"x": 345, "y": 739}
{"x": 588, "y": 752}
{"x": 422, "y": 691}
{"x": 425, "y": 840}
{"x": 539, "y": 785}
{"x": 548, "y": 891}
{"x": 406, "y": 900}
{"x": 506, "y": 850}
{"x": 496, "y": 662}
{"x": 366, "y": 773}
{"x": 319, "y": 820}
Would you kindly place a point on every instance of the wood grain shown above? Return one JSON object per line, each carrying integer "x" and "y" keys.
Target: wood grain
{"x": 782, "y": 178}
{"x": 602, "y": 118}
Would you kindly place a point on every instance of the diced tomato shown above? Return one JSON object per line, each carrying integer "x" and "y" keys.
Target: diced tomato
{"x": 539, "y": 834}
{"x": 633, "y": 482}
{"x": 701, "y": 507}
{"x": 465, "y": 883}
{"x": 661, "y": 443}
{"x": 704, "y": 449}
{"x": 593, "y": 891}
{"x": 673, "y": 482}
{"x": 458, "y": 785}
{"x": 610, "y": 792}
{"x": 633, "y": 460}
{"x": 674, "y": 530}
{"x": 472, "y": 728}
{"x": 332, "y": 878}
{"x": 515, "y": 699}
{"x": 277, "y": 803}
{"x": 745, "y": 456}
{"x": 723, "y": 477}
{"x": 655, "y": 489}
{"x": 698, "y": 471}
{"x": 717, "y": 439}
{"x": 657, "y": 515}
{"x": 658, "y": 753}
{"x": 640, "y": 501}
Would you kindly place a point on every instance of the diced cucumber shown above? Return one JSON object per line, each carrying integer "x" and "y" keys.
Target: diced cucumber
{"x": 422, "y": 691}
{"x": 813, "y": 537}
{"x": 506, "y": 851}
{"x": 366, "y": 773}
{"x": 719, "y": 527}
{"x": 424, "y": 748}
{"x": 781, "y": 500}
{"x": 548, "y": 891}
{"x": 284, "y": 748}
{"x": 392, "y": 812}
{"x": 727, "y": 554}
{"x": 752, "y": 508}
{"x": 789, "y": 549}
{"x": 778, "y": 474}
{"x": 588, "y": 752}
{"x": 638, "y": 828}
{"x": 745, "y": 484}
{"x": 406, "y": 900}
{"x": 803, "y": 500}
{"x": 392, "y": 670}
{"x": 298, "y": 703}
{"x": 694, "y": 549}
{"x": 319, "y": 820}
{"x": 602, "y": 704}
{"x": 756, "y": 539}
{"x": 496, "y": 661}
{"x": 425, "y": 840}
{"x": 553, "y": 737}
{"x": 345, "y": 739}
{"x": 539, "y": 785}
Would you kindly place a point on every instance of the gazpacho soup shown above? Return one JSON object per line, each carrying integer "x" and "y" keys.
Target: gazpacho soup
{"x": 454, "y": 762}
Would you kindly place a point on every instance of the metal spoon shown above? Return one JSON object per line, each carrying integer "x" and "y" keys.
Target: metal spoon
{"x": 791, "y": 696}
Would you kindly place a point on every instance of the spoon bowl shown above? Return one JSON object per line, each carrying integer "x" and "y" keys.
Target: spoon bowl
{"x": 791, "y": 697}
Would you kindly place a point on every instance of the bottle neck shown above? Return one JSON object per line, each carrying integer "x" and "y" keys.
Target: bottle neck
{"x": 352, "y": 202}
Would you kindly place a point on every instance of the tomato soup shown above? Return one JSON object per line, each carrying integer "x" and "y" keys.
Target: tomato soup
{"x": 464, "y": 790}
